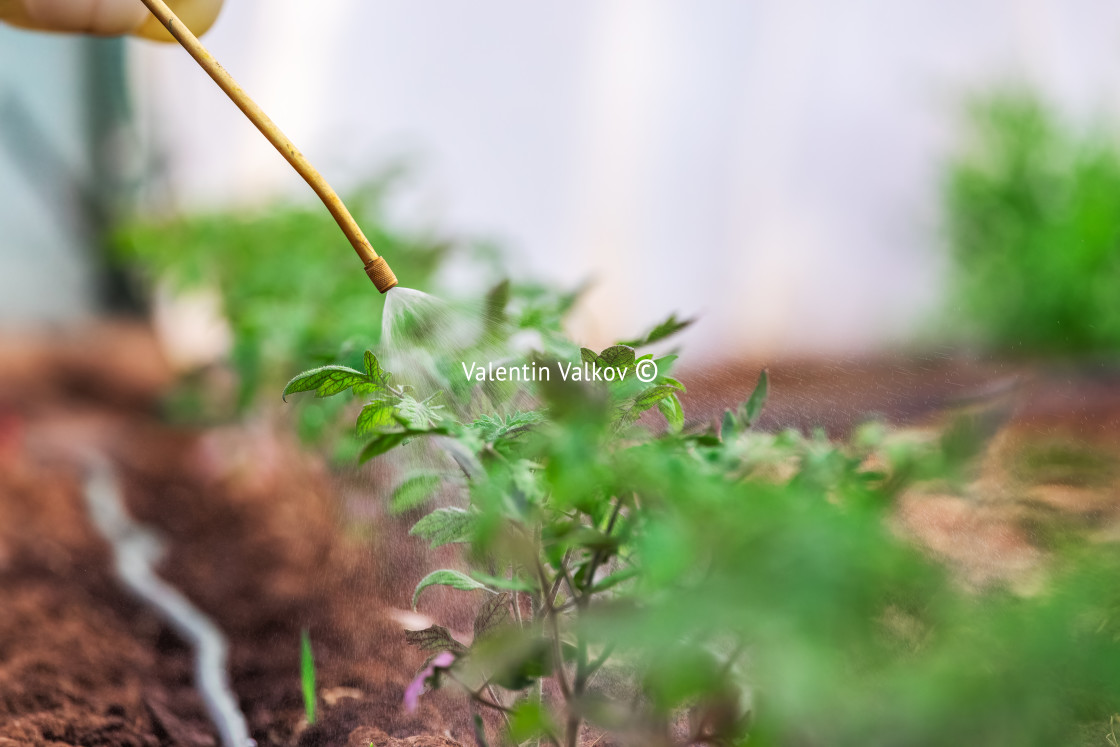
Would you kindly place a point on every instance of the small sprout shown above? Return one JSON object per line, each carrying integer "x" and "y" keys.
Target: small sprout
{"x": 307, "y": 675}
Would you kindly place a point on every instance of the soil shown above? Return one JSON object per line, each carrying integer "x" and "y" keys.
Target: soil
{"x": 1046, "y": 439}
{"x": 254, "y": 540}
{"x": 258, "y": 539}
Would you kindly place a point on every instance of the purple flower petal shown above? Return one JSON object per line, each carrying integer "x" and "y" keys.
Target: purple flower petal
{"x": 415, "y": 689}
{"x": 443, "y": 660}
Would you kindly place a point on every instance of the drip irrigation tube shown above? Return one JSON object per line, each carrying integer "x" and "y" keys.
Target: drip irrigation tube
{"x": 136, "y": 551}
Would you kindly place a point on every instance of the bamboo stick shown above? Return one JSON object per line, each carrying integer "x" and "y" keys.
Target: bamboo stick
{"x": 376, "y": 268}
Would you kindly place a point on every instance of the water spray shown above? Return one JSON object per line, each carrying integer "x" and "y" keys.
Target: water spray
{"x": 376, "y": 267}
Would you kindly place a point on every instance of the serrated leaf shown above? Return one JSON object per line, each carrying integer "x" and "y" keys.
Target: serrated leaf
{"x": 494, "y": 428}
{"x": 324, "y": 381}
{"x": 418, "y": 414}
{"x": 587, "y": 355}
{"x": 374, "y": 416}
{"x": 617, "y": 356}
{"x": 665, "y": 329}
{"x": 494, "y": 612}
{"x": 435, "y": 639}
{"x": 445, "y": 577}
{"x": 373, "y": 366}
{"x": 444, "y": 526}
{"x": 652, "y": 396}
{"x": 752, "y": 408}
{"x": 414, "y": 491}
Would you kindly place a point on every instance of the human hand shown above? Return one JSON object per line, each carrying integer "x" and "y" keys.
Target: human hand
{"x": 106, "y": 17}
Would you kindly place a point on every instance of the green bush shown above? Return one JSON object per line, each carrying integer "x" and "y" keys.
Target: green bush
{"x": 1033, "y": 218}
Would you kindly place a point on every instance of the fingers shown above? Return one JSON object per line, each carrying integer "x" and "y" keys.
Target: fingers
{"x": 106, "y": 17}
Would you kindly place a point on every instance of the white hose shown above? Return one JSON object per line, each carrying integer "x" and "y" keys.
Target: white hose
{"x": 136, "y": 551}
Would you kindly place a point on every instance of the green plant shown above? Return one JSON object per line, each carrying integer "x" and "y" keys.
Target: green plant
{"x": 674, "y": 583}
{"x": 1033, "y": 226}
{"x": 307, "y": 675}
{"x": 271, "y": 269}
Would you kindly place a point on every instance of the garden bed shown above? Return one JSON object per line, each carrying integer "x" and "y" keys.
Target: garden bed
{"x": 253, "y": 540}
{"x": 256, "y": 539}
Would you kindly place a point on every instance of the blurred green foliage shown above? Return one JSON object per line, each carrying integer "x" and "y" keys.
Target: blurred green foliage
{"x": 1033, "y": 217}
{"x": 669, "y": 582}
{"x": 291, "y": 287}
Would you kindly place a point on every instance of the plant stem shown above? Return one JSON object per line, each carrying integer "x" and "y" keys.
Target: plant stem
{"x": 557, "y": 648}
{"x": 560, "y": 577}
{"x": 501, "y": 708}
{"x": 478, "y": 697}
{"x": 584, "y": 670}
{"x": 516, "y": 599}
{"x": 378, "y": 271}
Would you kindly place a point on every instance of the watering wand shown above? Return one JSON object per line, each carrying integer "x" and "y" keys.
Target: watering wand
{"x": 376, "y": 267}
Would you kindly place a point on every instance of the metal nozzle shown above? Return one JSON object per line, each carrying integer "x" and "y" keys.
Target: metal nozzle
{"x": 379, "y": 272}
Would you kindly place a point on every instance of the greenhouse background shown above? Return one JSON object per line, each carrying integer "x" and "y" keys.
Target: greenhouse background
{"x": 779, "y": 156}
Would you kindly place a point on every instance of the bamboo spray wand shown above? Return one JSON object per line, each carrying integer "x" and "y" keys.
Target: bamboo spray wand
{"x": 376, "y": 267}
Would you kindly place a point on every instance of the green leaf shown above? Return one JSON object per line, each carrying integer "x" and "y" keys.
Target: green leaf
{"x": 587, "y": 355}
{"x": 414, "y": 491}
{"x": 444, "y": 526}
{"x": 497, "y": 582}
{"x": 435, "y": 639}
{"x": 494, "y": 612}
{"x": 533, "y": 661}
{"x": 530, "y": 719}
{"x": 386, "y": 441}
{"x": 419, "y": 414}
{"x": 480, "y": 731}
{"x": 652, "y": 396}
{"x": 307, "y": 675}
{"x": 376, "y": 377}
{"x": 618, "y": 356}
{"x": 614, "y": 579}
{"x": 708, "y": 439}
{"x": 665, "y": 329}
{"x": 525, "y": 477}
{"x": 753, "y": 406}
{"x": 669, "y": 380}
{"x": 729, "y": 426}
{"x": 494, "y": 308}
{"x": 494, "y": 428}
{"x": 374, "y": 416}
{"x": 671, "y": 408}
{"x": 373, "y": 367}
{"x": 445, "y": 577}
{"x": 324, "y": 381}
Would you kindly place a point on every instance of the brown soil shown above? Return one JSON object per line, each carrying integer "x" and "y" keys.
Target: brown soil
{"x": 255, "y": 538}
{"x": 1048, "y": 438}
